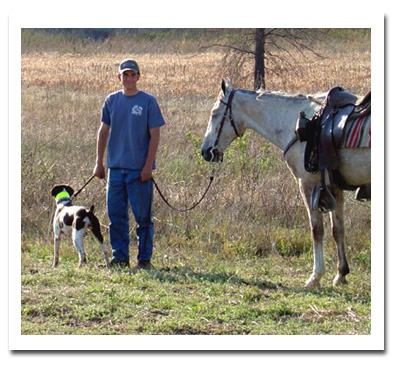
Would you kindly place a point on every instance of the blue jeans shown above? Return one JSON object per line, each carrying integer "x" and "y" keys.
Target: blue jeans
{"x": 125, "y": 186}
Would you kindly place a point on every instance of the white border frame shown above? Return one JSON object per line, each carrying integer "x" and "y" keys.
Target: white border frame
{"x": 375, "y": 341}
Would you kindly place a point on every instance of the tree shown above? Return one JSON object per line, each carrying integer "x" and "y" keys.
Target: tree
{"x": 271, "y": 48}
{"x": 259, "y": 72}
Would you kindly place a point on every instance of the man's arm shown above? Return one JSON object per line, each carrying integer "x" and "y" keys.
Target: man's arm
{"x": 146, "y": 173}
{"x": 102, "y": 139}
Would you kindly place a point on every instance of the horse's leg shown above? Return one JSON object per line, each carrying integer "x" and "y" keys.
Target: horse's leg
{"x": 317, "y": 230}
{"x": 338, "y": 231}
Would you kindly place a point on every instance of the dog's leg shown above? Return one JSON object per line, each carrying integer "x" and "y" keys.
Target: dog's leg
{"x": 105, "y": 255}
{"x": 78, "y": 236}
{"x": 57, "y": 240}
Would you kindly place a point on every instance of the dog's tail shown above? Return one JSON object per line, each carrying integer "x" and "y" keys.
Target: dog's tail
{"x": 95, "y": 225}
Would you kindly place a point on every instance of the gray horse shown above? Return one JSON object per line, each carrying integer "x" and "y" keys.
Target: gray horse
{"x": 273, "y": 116}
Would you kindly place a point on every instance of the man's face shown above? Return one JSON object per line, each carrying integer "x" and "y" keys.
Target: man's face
{"x": 129, "y": 79}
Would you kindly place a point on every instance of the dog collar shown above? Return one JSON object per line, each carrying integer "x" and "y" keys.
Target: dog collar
{"x": 62, "y": 195}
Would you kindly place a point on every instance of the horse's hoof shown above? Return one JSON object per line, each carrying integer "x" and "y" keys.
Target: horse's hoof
{"x": 339, "y": 280}
{"x": 312, "y": 283}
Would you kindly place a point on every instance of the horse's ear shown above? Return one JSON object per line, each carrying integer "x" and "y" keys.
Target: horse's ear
{"x": 229, "y": 85}
{"x": 226, "y": 85}
{"x": 223, "y": 87}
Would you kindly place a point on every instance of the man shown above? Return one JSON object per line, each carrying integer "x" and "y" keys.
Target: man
{"x": 130, "y": 129}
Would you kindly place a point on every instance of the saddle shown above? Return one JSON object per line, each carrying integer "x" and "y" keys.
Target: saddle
{"x": 323, "y": 134}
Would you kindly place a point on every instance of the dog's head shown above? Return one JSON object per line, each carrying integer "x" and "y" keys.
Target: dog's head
{"x": 58, "y": 189}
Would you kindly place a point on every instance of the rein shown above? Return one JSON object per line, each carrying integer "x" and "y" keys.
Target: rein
{"x": 289, "y": 145}
{"x": 186, "y": 209}
{"x": 211, "y": 179}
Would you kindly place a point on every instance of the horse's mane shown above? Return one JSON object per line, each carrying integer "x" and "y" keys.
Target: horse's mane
{"x": 262, "y": 93}
{"x": 278, "y": 94}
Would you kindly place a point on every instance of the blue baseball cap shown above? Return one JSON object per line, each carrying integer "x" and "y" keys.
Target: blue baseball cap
{"x": 128, "y": 65}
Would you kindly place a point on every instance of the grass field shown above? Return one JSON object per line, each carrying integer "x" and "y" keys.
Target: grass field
{"x": 237, "y": 263}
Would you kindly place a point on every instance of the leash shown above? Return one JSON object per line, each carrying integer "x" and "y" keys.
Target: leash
{"x": 186, "y": 209}
{"x": 80, "y": 190}
{"x": 211, "y": 179}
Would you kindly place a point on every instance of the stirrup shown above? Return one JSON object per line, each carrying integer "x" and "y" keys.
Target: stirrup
{"x": 363, "y": 193}
{"x": 322, "y": 200}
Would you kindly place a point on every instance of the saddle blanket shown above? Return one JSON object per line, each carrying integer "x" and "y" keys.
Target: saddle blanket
{"x": 357, "y": 133}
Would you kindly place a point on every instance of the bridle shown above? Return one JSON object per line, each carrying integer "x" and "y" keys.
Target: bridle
{"x": 227, "y": 110}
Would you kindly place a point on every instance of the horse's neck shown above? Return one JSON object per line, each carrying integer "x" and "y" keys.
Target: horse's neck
{"x": 274, "y": 117}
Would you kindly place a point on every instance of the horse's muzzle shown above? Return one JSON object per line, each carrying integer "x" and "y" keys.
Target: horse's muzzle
{"x": 212, "y": 154}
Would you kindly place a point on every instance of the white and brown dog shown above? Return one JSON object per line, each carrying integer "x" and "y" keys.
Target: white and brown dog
{"x": 74, "y": 220}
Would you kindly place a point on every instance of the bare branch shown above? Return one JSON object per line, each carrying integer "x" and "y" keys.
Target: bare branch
{"x": 227, "y": 46}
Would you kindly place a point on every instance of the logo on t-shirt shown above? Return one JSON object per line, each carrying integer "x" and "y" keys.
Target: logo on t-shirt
{"x": 137, "y": 110}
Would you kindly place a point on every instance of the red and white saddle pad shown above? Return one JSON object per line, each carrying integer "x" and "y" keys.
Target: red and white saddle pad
{"x": 357, "y": 133}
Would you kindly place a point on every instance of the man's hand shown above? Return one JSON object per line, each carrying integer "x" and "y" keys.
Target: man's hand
{"x": 146, "y": 173}
{"x": 99, "y": 171}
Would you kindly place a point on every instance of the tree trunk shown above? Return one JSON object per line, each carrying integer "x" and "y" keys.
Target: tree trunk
{"x": 259, "y": 76}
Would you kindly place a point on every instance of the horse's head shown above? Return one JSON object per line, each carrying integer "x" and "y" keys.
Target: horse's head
{"x": 221, "y": 130}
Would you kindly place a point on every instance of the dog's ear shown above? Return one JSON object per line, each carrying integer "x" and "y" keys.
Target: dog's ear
{"x": 58, "y": 188}
{"x": 69, "y": 189}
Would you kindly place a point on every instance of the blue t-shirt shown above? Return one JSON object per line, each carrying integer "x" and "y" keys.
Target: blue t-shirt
{"x": 130, "y": 118}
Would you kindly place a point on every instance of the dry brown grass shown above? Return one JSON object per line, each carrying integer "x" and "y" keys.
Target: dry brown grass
{"x": 196, "y": 74}
{"x": 250, "y": 208}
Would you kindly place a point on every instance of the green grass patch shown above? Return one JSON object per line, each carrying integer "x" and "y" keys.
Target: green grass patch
{"x": 190, "y": 294}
